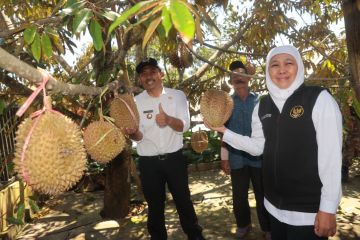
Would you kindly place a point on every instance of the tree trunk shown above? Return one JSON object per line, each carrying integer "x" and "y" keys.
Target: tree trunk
{"x": 117, "y": 186}
{"x": 352, "y": 27}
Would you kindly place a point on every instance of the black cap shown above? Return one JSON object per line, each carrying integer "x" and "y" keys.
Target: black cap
{"x": 237, "y": 64}
{"x": 146, "y": 62}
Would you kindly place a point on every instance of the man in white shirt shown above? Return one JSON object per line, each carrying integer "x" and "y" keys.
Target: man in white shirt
{"x": 164, "y": 116}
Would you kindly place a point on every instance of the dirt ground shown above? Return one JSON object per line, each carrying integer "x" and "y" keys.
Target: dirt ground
{"x": 76, "y": 215}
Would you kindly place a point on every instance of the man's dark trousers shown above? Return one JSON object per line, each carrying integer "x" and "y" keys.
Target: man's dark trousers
{"x": 155, "y": 173}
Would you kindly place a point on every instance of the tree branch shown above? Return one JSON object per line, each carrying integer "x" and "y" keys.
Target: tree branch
{"x": 352, "y": 28}
{"x": 25, "y": 91}
{"x": 22, "y": 69}
{"x": 304, "y": 39}
{"x": 201, "y": 71}
{"x": 13, "y": 84}
{"x": 3, "y": 24}
{"x": 9, "y": 33}
{"x": 235, "y": 52}
{"x": 219, "y": 67}
{"x": 64, "y": 64}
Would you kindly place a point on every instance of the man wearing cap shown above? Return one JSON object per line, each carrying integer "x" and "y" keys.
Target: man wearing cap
{"x": 164, "y": 116}
{"x": 242, "y": 166}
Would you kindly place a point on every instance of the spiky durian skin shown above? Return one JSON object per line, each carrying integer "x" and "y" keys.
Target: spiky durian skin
{"x": 225, "y": 87}
{"x": 185, "y": 56}
{"x": 216, "y": 107}
{"x": 55, "y": 158}
{"x": 199, "y": 141}
{"x": 103, "y": 141}
{"x": 121, "y": 114}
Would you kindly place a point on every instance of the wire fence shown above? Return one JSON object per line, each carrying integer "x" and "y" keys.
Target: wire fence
{"x": 8, "y": 127}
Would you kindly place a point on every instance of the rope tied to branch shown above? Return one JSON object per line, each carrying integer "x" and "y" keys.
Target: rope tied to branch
{"x": 37, "y": 115}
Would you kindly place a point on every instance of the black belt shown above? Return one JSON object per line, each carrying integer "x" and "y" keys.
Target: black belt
{"x": 162, "y": 156}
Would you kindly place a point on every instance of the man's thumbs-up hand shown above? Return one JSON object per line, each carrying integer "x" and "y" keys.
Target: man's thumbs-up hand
{"x": 162, "y": 118}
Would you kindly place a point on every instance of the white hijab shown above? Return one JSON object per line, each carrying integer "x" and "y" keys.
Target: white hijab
{"x": 277, "y": 94}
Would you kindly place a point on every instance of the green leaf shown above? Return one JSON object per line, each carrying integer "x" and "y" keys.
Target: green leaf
{"x": 104, "y": 77}
{"x": 14, "y": 221}
{"x": 29, "y": 34}
{"x": 182, "y": 20}
{"x": 2, "y": 106}
{"x": 127, "y": 14}
{"x": 96, "y": 34}
{"x": 33, "y": 205}
{"x": 110, "y": 15}
{"x": 147, "y": 16}
{"x": 191, "y": 8}
{"x": 20, "y": 212}
{"x": 36, "y": 47}
{"x": 150, "y": 30}
{"x": 56, "y": 40}
{"x": 70, "y": 3}
{"x": 71, "y": 8}
{"x": 161, "y": 32}
{"x": 81, "y": 20}
{"x": 46, "y": 45}
{"x": 166, "y": 20}
{"x": 356, "y": 106}
{"x": 50, "y": 31}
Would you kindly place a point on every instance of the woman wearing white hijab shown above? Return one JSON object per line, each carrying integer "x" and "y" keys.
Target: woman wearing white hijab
{"x": 298, "y": 129}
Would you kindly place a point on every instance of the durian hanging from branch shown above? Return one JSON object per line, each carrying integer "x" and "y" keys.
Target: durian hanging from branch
{"x": 199, "y": 141}
{"x": 49, "y": 154}
{"x": 124, "y": 111}
{"x": 177, "y": 51}
{"x": 103, "y": 140}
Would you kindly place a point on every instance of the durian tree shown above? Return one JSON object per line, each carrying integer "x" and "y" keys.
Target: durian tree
{"x": 194, "y": 40}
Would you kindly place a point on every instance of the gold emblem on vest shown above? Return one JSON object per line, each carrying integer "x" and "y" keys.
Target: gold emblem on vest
{"x": 297, "y": 111}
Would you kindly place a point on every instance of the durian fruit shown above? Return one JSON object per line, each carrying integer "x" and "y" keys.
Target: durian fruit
{"x": 251, "y": 70}
{"x": 216, "y": 107}
{"x": 225, "y": 87}
{"x": 177, "y": 51}
{"x": 199, "y": 141}
{"x": 103, "y": 141}
{"x": 180, "y": 56}
{"x": 55, "y": 158}
{"x": 174, "y": 58}
{"x": 124, "y": 111}
{"x": 186, "y": 58}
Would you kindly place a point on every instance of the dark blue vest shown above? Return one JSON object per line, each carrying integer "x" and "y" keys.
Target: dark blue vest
{"x": 240, "y": 122}
{"x": 290, "y": 162}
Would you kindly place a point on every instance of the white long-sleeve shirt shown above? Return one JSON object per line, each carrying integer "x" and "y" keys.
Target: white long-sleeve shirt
{"x": 160, "y": 140}
{"x": 327, "y": 120}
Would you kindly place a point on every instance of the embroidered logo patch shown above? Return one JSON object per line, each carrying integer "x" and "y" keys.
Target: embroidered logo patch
{"x": 297, "y": 111}
{"x": 148, "y": 113}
